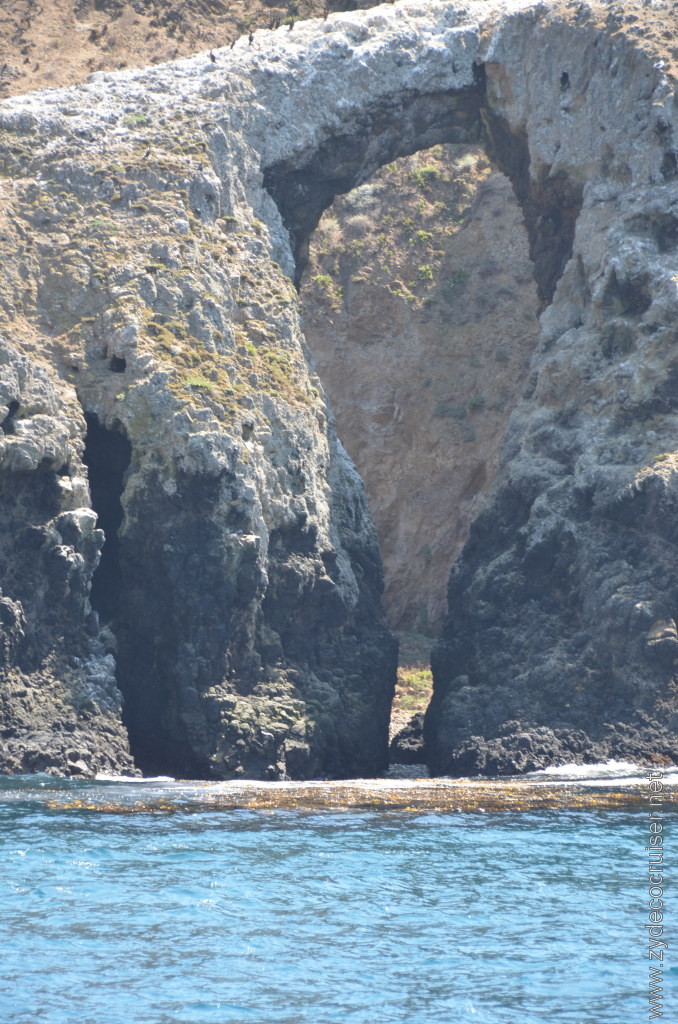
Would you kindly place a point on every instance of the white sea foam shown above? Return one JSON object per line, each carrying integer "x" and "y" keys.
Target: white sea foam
{"x": 602, "y": 770}
{"x": 605, "y": 773}
{"x": 103, "y": 777}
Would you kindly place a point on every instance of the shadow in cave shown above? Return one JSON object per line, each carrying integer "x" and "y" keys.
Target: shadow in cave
{"x": 129, "y": 594}
{"x": 107, "y": 456}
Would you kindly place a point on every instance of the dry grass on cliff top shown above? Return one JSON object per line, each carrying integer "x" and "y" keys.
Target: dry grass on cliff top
{"x": 61, "y": 42}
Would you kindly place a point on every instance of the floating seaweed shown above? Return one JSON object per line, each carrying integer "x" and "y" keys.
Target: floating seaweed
{"x": 411, "y": 795}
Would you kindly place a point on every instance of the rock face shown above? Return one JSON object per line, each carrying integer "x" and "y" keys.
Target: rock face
{"x": 561, "y": 643}
{"x": 407, "y": 746}
{"x": 151, "y": 223}
{"x": 59, "y": 704}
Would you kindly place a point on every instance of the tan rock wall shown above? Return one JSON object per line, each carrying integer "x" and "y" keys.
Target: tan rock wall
{"x": 420, "y": 311}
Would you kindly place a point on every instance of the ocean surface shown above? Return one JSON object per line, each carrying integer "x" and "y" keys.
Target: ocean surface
{"x": 137, "y": 903}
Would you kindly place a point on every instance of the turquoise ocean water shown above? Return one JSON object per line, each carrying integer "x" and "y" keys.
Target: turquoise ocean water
{"x": 312, "y": 917}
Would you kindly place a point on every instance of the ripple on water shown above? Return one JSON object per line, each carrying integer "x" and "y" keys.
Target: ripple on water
{"x": 371, "y": 917}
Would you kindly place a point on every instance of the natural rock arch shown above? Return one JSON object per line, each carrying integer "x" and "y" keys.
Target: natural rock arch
{"x": 534, "y": 707}
{"x": 305, "y": 185}
{"x": 263, "y": 651}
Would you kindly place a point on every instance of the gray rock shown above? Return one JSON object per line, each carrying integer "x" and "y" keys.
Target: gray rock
{"x": 407, "y": 746}
{"x": 240, "y": 574}
{"x": 561, "y": 608}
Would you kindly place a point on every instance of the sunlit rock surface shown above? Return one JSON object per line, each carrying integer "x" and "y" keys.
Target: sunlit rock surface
{"x": 151, "y": 225}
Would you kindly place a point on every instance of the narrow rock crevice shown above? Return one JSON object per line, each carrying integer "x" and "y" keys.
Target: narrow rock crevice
{"x": 107, "y": 457}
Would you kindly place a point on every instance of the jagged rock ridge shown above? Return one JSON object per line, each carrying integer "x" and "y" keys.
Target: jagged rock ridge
{"x": 149, "y": 282}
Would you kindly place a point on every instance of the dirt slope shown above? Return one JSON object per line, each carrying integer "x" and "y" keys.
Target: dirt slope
{"x": 48, "y": 43}
{"x": 420, "y": 311}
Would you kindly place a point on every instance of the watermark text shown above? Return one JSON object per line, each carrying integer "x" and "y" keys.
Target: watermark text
{"x": 656, "y": 934}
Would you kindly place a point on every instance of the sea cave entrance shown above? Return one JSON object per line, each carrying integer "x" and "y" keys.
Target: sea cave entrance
{"x": 107, "y": 457}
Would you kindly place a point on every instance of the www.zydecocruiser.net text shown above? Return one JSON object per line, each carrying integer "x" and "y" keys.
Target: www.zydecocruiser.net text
{"x": 656, "y": 926}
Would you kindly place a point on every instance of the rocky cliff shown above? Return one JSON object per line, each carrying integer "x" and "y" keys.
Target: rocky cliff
{"x": 561, "y": 639}
{"x": 152, "y": 224}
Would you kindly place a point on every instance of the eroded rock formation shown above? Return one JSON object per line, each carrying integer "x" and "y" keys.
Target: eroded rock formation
{"x": 152, "y": 222}
{"x": 60, "y": 707}
{"x": 561, "y": 643}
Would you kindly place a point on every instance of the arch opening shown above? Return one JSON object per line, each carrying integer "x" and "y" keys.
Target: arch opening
{"x": 303, "y": 187}
{"x": 420, "y": 308}
{"x": 393, "y": 417}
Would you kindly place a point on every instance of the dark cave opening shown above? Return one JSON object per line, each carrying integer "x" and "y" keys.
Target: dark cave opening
{"x": 117, "y": 365}
{"x": 107, "y": 456}
{"x": 7, "y": 425}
